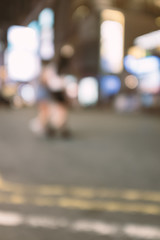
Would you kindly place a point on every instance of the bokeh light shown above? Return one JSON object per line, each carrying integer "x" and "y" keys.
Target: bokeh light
{"x": 23, "y": 66}
{"x": 27, "y": 92}
{"x": 131, "y": 81}
{"x": 46, "y": 18}
{"x": 20, "y": 37}
{"x": 67, "y": 51}
{"x": 148, "y": 41}
{"x": 147, "y": 100}
{"x": 109, "y": 85}
{"x": 88, "y": 91}
{"x": 35, "y": 26}
{"x": 111, "y": 41}
{"x": 71, "y": 86}
{"x": 142, "y": 65}
{"x": 22, "y": 60}
{"x": 46, "y": 21}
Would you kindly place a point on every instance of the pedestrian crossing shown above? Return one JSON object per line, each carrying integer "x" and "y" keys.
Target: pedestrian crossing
{"x": 85, "y": 226}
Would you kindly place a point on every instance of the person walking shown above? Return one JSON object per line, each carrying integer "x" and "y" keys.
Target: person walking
{"x": 52, "y": 104}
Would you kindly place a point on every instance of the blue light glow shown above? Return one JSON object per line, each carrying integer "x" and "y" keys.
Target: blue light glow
{"x": 141, "y": 65}
{"x": 35, "y": 26}
{"x": 109, "y": 85}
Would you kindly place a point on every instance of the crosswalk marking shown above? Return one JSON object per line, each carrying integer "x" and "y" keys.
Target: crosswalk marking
{"x": 131, "y": 230}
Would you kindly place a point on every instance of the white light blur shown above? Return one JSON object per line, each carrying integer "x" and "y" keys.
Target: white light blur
{"x": 148, "y": 64}
{"x": 72, "y": 90}
{"x": 111, "y": 46}
{"x": 21, "y": 57}
{"x": 20, "y": 37}
{"x": 47, "y": 33}
{"x": 150, "y": 83}
{"x": 131, "y": 81}
{"x": 148, "y": 41}
{"x": 148, "y": 71}
{"x": 88, "y": 91}
{"x": 27, "y": 92}
{"x": 46, "y": 17}
{"x": 22, "y": 65}
{"x": 71, "y": 84}
{"x": 47, "y": 50}
{"x": 142, "y": 65}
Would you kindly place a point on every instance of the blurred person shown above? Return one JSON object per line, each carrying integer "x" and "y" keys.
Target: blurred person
{"x": 52, "y": 103}
{"x": 58, "y": 109}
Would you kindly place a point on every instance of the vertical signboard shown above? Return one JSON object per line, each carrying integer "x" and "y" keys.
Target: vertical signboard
{"x": 46, "y": 22}
{"x": 111, "y": 41}
{"x": 22, "y": 54}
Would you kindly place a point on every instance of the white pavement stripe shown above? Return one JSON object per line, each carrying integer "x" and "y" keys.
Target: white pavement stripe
{"x": 97, "y": 227}
{"x": 46, "y": 222}
{"x": 133, "y": 231}
{"x": 10, "y": 219}
{"x": 146, "y": 232}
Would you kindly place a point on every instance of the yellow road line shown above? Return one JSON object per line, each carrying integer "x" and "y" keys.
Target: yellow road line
{"x": 75, "y": 203}
{"x": 78, "y": 192}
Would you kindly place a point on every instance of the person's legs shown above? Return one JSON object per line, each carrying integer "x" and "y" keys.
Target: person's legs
{"x": 59, "y": 119}
{"x": 38, "y": 125}
{"x": 58, "y": 115}
{"x": 43, "y": 113}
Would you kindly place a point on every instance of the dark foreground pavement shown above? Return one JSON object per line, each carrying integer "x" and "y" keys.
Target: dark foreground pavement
{"x": 103, "y": 183}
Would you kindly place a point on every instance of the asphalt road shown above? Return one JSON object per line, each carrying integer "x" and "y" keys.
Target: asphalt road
{"x": 103, "y": 183}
